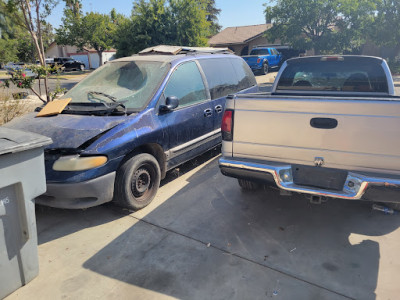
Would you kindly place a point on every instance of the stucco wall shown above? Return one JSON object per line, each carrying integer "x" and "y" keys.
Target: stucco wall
{"x": 60, "y": 51}
{"x": 260, "y": 41}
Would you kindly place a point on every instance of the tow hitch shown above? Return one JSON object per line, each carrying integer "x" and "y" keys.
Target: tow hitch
{"x": 314, "y": 199}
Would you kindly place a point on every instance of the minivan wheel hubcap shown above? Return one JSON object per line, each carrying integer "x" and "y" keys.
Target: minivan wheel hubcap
{"x": 141, "y": 182}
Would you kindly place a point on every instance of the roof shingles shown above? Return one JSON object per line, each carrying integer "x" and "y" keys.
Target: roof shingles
{"x": 238, "y": 35}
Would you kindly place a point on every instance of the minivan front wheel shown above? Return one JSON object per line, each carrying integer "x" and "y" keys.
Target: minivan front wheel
{"x": 137, "y": 181}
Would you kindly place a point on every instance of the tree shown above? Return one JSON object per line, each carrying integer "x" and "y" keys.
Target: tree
{"x": 190, "y": 22}
{"x": 75, "y": 6}
{"x": 386, "y": 28}
{"x": 323, "y": 25}
{"x": 30, "y": 15}
{"x": 97, "y": 32}
{"x": 7, "y": 50}
{"x": 92, "y": 30}
{"x": 212, "y": 13}
{"x": 70, "y": 28}
{"x": 155, "y": 22}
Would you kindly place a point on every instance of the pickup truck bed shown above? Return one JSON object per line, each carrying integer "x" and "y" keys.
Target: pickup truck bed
{"x": 337, "y": 146}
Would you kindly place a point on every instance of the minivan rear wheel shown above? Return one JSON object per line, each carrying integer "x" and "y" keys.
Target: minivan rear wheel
{"x": 137, "y": 181}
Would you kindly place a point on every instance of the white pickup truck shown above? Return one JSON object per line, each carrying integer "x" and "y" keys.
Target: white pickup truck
{"x": 329, "y": 128}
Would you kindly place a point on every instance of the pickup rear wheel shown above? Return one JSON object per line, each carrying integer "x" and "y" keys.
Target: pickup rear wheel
{"x": 248, "y": 185}
{"x": 395, "y": 206}
{"x": 137, "y": 181}
{"x": 82, "y": 67}
{"x": 265, "y": 68}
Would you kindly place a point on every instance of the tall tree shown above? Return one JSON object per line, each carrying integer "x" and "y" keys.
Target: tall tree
{"x": 386, "y": 29}
{"x": 75, "y": 6}
{"x": 97, "y": 32}
{"x": 190, "y": 22}
{"x": 155, "y": 22}
{"x": 212, "y": 13}
{"x": 322, "y": 25}
{"x": 30, "y": 15}
{"x": 92, "y": 30}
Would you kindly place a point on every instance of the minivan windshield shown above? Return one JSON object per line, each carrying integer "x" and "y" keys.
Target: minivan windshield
{"x": 132, "y": 83}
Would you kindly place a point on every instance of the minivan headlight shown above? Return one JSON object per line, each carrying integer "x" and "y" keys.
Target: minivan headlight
{"x": 78, "y": 163}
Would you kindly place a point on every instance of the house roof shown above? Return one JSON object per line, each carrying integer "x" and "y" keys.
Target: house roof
{"x": 85, "y": 49}
{"x": 238, "y": 35}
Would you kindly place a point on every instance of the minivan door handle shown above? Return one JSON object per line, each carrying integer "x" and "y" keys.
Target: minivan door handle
{"x": 218, "y": 109}
{"x": 324, "y": 123}
{"x": 208, "y": 112}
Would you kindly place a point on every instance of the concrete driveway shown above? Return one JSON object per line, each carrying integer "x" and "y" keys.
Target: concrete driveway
{"x": 203, "y": 238}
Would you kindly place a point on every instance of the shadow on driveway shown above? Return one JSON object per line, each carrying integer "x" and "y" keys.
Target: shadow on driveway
{"x": 253, "y": 239}
{"x": 68, "y": 221}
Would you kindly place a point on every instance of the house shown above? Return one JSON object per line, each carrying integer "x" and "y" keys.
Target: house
{"x": 241, "y": 39}
{"x": 88, "y": 56}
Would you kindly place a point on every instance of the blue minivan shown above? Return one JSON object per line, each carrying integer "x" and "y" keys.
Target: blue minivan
{"x": 132, "y": 120}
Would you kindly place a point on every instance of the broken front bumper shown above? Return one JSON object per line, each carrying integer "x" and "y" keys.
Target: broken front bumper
{"x": 356, "y": 186}
{"x": 79, "y": 195}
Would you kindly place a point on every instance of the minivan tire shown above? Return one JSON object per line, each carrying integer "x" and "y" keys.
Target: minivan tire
{"x": 137, "y": 181}
{"x": 248, "y": 185}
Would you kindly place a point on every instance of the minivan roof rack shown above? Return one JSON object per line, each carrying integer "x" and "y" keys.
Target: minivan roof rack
{"x": 175, "y": 50}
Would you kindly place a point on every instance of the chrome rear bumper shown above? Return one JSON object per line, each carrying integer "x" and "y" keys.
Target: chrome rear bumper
{"x": 354, "y": 188}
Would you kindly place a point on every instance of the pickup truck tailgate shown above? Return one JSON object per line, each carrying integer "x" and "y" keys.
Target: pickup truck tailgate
{"x": 251, "y": 60}
{"x": 292, "y": 130}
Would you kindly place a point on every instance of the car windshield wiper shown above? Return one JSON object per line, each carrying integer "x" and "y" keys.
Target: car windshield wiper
{"x": 103, "y": 94}
{"x": 95, "y": 108}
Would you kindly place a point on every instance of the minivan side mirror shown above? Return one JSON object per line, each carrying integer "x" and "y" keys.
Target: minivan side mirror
{"x": 171, "y": 103}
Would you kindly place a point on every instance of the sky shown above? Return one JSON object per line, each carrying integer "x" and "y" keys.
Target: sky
{"x": 233, "y": 12}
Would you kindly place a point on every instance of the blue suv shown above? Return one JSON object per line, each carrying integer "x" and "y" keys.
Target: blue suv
{"x": 132, "y": 120}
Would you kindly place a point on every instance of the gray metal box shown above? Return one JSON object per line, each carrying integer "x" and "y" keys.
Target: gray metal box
{"x": 22, "y": 178}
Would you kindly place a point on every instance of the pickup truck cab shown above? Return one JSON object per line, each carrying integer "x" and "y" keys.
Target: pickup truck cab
{"x": 262, "y": 59}
{"x": 329, "y": 128}
{"x": 132, "y": 120}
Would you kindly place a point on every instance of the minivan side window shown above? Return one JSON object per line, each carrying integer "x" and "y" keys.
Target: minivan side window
{"x": 221, "y": 76}
{"x": 186, "y": 84}
{"x": 244, "y": 73}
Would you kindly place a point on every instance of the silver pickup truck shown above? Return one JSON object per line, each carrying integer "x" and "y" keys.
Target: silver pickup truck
{"x": 329, "y": 128}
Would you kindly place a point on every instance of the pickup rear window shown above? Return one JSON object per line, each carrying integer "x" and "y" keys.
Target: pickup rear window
{"x": 345, "y": 75}
{"x": 259, "y": 52}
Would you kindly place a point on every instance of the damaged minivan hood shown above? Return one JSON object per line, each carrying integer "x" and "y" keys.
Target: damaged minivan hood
{"x": 66, "y": 131}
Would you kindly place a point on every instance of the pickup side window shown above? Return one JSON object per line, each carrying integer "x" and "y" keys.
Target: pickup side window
{"x": 221, "y": 77}
{"x": 343, "y": 76}
{"x": 187, "y": 84}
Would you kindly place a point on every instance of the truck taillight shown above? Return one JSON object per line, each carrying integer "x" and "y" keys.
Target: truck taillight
{"x": 258, "y": 60}
{"x": 227, "y": 125}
